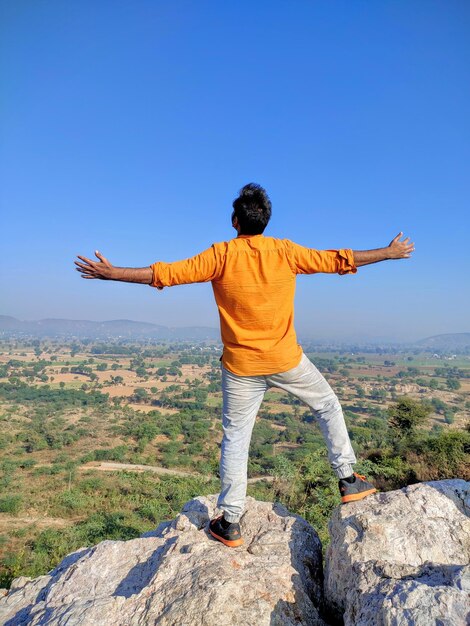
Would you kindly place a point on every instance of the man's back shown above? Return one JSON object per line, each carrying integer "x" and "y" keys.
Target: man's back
{"x": 253, "y": 278}
{"x": 255, "y": 297}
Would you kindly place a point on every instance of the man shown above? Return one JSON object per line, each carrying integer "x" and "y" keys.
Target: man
{"x": 253, "y": 278}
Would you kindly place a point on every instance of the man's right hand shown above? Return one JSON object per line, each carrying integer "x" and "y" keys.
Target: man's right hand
{"x": 395, "y": 250}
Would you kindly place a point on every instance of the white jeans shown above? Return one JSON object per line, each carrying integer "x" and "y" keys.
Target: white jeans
{"x": 242, "y": 397}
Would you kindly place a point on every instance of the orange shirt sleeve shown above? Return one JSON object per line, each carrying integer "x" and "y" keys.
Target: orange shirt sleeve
{"x": 198, "y": 269}
{"x": 311, "y": 261}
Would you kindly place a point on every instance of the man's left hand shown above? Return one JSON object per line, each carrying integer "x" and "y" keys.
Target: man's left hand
{"x": 101, "y": 269}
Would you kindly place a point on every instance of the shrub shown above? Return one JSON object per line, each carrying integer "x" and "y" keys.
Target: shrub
{"x": 72, "y": 500}
{"x": 10, "y": 504}
{"x": 152, "y": 511}
{"x": 406, "y": 415}
{"x": 119, "y": 453}
{"x": 449, "y": 453}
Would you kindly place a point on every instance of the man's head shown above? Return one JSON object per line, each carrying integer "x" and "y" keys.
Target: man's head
{"x": 251, "y": 210}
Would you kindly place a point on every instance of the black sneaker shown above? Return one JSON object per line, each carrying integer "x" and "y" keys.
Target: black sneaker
{"x": 231, "y": 535}
{"x": 356, "y": 490}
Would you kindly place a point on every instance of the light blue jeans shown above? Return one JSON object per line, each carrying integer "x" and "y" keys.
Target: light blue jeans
{"x": 242, "y": 397}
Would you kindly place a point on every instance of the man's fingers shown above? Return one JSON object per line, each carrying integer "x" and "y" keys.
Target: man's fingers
{"x": 101, "y": 257}
{"x": 88, "y": 262}
{"x": 398, "y": 236}
{"x": 88, "y": 270}
{"x": 85, "y": 272}
{"x": 84, "y": 258}
{"x": 91, "y": 270}
{"x": 84, "y": 267}
{"x": 87, "y": 267}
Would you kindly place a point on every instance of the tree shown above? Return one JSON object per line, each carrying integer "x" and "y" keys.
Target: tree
{"x": 378, "y": 394}
{"x": 406, "y": 415}
{"x": 140, "y": 394}
{"x": 360, "y": 392}
{"x": 452, "y": 384}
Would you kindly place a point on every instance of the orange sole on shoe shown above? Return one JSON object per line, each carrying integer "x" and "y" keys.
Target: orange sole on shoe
{"x": 233, "y": 543}
{"x": 357, "y": 496}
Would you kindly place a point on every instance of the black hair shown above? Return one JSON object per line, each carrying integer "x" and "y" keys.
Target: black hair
{"x": 252, "y": 208}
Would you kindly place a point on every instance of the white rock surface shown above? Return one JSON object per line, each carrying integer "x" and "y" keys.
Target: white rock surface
{"x": 395, "y": 559}
{"x": 180, "y": 575}
{"x": 401, "y": 558}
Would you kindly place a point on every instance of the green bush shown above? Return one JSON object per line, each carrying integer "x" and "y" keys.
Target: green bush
{"x": 389, "y": 472}
{"x": 449, "y": 452}
{"x": 405, "y": 416}
{"x": 91, "y": 485}
{"x": 119, "y": 453}
{"x": 153, "y": 511}
{"x": 72, "y": 500}
{"x": 10, "y": 504}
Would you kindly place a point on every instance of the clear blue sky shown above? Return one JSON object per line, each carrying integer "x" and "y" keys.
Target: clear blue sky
{"x": 129, "y": 127}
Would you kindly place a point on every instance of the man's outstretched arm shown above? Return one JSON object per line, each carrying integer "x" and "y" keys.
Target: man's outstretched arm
{"x": 103, "y": 270}
{"x": 395, "y": 250}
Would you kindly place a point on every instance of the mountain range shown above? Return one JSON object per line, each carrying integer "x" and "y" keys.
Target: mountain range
{"x": 129, "y": 329}
{"x": 111, "y": 329}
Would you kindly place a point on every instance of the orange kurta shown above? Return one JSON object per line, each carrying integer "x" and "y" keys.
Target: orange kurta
{"x": 253, "y": 278}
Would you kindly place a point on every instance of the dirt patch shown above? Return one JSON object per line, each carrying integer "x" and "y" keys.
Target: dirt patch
{"x": 142, "y": 408}
{"x": 126, "y": 390}
{"x": 161, "y": 439}
{"x": 286, "y": 446}
{"x": 109, "y": 466}
{"x": 69, "y": 378}
{"x": 257, "y": 479}
{"x": 9, "y": 522}
{"x": 119, "y": 391}
{"x": 194, "y": 371}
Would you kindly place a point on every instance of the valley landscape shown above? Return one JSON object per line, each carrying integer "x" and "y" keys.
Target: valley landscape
{"x": 106, "y": 438}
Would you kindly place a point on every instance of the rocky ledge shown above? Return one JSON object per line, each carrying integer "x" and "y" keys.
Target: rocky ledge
{"x": 395, "y": 558}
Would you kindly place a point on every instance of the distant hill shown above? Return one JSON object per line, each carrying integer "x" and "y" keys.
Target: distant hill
{"x": 452, "y": 342}
{"x": 112, "y": 329}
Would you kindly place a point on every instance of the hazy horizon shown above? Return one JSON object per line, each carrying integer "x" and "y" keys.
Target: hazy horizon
{"x": 130, "y": 128}
{"x": 303, "y": 334}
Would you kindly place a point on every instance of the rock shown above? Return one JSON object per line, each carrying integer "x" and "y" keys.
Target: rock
{"x": 395, "y": 559}
{"x": 401, "y": 558}
{"x": 180, "y": 575}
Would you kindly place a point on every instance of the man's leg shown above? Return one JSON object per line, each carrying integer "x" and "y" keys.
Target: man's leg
{"x": 242, "y": 397}
{"x": 307, "y": 384}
